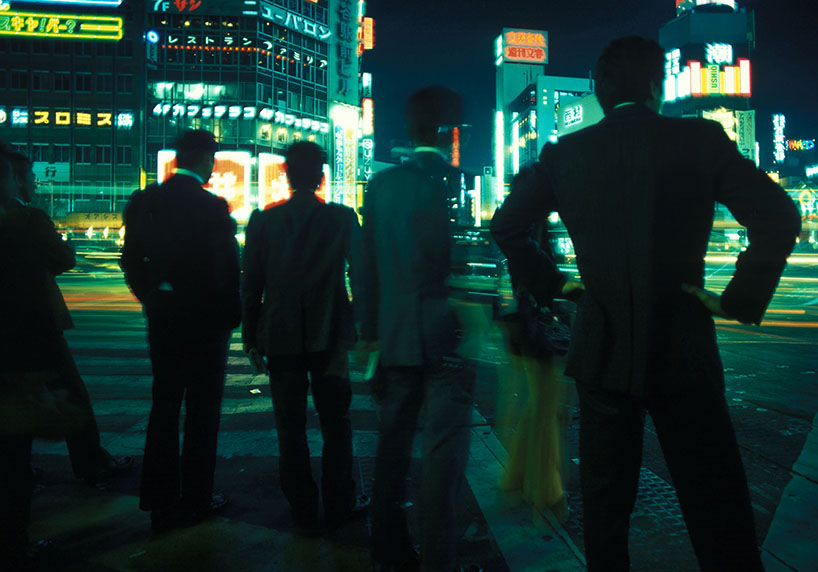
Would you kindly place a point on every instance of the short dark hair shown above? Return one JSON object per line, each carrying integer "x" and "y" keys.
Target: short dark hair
{"x": 430, "y": 108}
{"x": 626, "y": 69}
{"x": 20, "y": 164}
{"x": 193, "y": 145}
{"x": 305, "y": 165}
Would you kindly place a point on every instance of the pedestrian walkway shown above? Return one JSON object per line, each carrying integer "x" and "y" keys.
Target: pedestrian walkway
{"x": 101, "y": 528}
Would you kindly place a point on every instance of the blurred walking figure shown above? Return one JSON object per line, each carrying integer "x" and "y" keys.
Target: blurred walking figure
{"x": 535, "y": 396}
{"x": 407, "y": 238}
{"x": 89, "y": 460}
{"x": 297, "y": 315}
{"x": 644, "y": 340}
{"x": 181, "y": 260}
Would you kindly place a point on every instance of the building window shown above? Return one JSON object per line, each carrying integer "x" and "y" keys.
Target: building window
{"x": 62, "y": 81}
{"x": 103, "y": 155}
{"x": 42, "y": 47}
{"x": 18, "y": 46}
{"x": 82, "y": 154}
{"x": 105, "y": 49}
{"x": 124, "y": 49}
{"x": 62, "y": 153}
{"x": 19, "y": 79}
{"x": 105, "y": 83}
{"x": 40, "y": 81}
{"x": 39, "y": 152}
{"x": 84, "y": 48}
{"x": 124, "y": 155}
{"x": 83, "y": 82}
{"x": 124, "y": 84}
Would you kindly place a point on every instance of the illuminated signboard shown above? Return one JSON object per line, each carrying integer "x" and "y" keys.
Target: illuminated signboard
{"x": 46, "y": 117}
{"x": 236, "y": 112}
{"x": 807, "y": 201}
{"x": 345, "y": 154}
{"x": 178, "y": 5}
{"x": 811, "y": 171}
{"x": 296, "y": 22}
{"x": 572, "y": 115}
{"x": 718, "y": 53}
{"x": 779, "y": 142}
{"x": 230, "y": 179}
{"x": 524, "y": 46}
{"x": 684, "y": 5}
{"x": 705, "y": 80}
{"x": 801, "y": 144}
{"x": 62, "y": 26}
{"x": 100, "y": 3}
{"x": 368, "y": 33}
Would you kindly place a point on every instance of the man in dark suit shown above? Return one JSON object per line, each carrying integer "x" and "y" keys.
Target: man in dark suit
{"x": 408, "y": 248}
{"x": 52, "y": 256}
{"x": 190, "y": 293}
{"x": 636, "y": 193}
{"x": 297, "y": 313}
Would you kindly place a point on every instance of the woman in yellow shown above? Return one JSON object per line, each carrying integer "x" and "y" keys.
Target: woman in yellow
{"x": 534, "y": 417}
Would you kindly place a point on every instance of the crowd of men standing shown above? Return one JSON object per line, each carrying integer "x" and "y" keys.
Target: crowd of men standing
{"x": 639, "y": 318}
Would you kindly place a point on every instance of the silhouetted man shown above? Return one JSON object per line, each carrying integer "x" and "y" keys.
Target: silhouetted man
{"x": 407, "y": 238}
{"x": 181, "y": 260}
{"x": 636, "y": 193}
{"x": 297, "y": 313}
{"x": 89, "y": 460}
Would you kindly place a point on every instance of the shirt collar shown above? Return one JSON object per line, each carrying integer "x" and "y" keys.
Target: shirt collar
{"x": 624, "y": 104}
{"x": 181, "y": 171}
{"x": 425, "y": 149}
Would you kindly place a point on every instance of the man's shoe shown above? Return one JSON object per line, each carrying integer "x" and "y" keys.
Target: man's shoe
{"x": 199, "y": 514}
{"x": 113, "y": 467}
{"x": 358, "y": 509}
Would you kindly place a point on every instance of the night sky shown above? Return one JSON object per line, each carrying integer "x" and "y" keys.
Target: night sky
{"x": 424, "y": 42}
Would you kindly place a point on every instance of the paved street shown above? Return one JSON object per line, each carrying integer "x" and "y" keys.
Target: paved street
{"x": 772, "y": 390}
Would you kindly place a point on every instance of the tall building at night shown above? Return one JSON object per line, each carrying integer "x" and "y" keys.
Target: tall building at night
{"x": 72, "y": 79}
{"x": 708, "y": 67}
{"x": 259, "y": 74}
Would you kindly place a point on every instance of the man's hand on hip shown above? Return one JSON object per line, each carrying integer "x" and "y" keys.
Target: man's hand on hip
{"x": 710, "y": 300}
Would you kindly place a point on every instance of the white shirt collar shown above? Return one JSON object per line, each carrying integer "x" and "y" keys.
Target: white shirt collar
{"x": 425, "y": 149}
{"x": 624, "y": 104}
{"x": 181, "y": 171}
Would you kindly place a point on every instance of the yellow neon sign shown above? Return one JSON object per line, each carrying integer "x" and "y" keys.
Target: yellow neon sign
{"x": 62, "y": 26}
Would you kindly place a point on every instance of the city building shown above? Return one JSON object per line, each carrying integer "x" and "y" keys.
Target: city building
{"x": 72, "y": 78}
{"x": 259, "y": 74}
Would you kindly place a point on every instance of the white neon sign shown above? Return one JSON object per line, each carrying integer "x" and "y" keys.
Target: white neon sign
{"x": 779, "y": 143}
{"x": 811, "y": 171}
{"x": 718, "y": 53}
{"x": 246, "y": 112}
{"x": 572, "y": 116}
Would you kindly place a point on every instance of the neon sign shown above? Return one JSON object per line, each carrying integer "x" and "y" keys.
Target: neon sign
{"x": 779, "y": 143}
{"x": 572, "y": 116}
{"x": 524, "y": 46}
{"x": 811, "y": 171}
{"x": 368, "y": 33}
{"x": 278, "y": 15}
{"x": 105, "y": 3}
{"x": 45, "y": 117}
{"x": 230, "y": 178}
{"x": 163, "y": 109}
{"x": 718, "y": 53}
{"x": 705, "y": 80}
{"x": 801, "y": 144}
{"x": 62, "y": 26}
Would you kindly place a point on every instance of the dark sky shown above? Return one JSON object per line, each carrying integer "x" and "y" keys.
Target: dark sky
{"x": 450, "y": 42}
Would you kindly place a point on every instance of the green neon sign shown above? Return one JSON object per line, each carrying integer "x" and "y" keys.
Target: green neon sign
{"x": 60, "y": 26}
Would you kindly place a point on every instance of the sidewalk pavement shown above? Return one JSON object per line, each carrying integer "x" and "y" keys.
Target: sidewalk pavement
{"x": 102, "y": 530}
{"x": 792, "y": 540}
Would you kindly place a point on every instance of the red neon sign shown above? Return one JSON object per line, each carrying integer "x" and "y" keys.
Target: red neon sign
{"x": 519, "y": 53}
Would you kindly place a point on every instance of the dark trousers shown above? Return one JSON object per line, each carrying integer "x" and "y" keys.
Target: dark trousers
{"x": 193, "y": 370}
{"x": 84, "y": 448}
{"x": 290, "y": 378}
{"x": 16, "y": 485}
{"x": 699, "y": 445}
{"x": 446, "y": 390}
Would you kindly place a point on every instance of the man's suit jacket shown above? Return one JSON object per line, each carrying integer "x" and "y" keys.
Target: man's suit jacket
{"x": 197, "y": 252}
{"x": 408, "y": 260}
{"x": 637, "y": 194}
{"x": 294, "y": 295}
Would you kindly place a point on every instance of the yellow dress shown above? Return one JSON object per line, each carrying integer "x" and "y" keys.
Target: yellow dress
{"x": 534, "y": 417}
